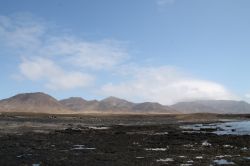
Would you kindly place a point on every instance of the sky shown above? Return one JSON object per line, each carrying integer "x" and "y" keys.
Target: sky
{"x": 164, "y": 51}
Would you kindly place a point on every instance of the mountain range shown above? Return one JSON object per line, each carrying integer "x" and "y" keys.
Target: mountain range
{"x": 213, "y": 106}
{"x": 43, "y": 103}
{"x": 113, "y": 104}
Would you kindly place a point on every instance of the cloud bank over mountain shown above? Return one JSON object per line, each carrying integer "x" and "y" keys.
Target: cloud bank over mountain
{"x": 61, "y": 61}
{"x": 165, "y": 85}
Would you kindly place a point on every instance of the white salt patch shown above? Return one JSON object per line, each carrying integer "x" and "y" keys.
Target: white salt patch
{"x": 190, "y": 161}
{"x": 206, "y": 143}
{"x": 182, "y": 156}
{"x": 156, "y": 149}
{"x": 222, "y": 156}
{"x": 139, "y": 157}
{"x": 245, "y": 148}
{"x": 161, "y": 133}
{"x": 90, "y": 148}
{"x": 227, "y": 146}
{"x": 186, "y": 164}
{"x": 81, "y": 147}
{"x": 135, "y": 143}
{"x": 165, "y": 160}
{"x": 223, "y": 162}
{"x": 98, "y": 128}
{"x": 188, "y": 145}
{"x": 24, "y": 155}
{"x": 199, "y": 157}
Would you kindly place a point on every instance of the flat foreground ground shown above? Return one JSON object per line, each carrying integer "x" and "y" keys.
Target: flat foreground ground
{"x": 140, "y": 140}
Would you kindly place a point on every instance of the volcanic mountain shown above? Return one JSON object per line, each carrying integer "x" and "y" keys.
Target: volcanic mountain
{"x": 113, "y": 104}
{"x": 74, "y": 103}
{"x": 213, "y": 106}
{"x": 32, "y": 102}
{"x": 110, "y": 104}
{"x": 42, "y": 103}
{"x": 153, "y": 107}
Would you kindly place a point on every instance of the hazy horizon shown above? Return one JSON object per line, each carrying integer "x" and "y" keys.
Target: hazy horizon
{"x": 163, "y": 51}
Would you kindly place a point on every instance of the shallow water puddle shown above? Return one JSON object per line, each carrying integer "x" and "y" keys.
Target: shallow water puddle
{"x": 24, "y": 155}
{"x": 223, "y": 156}
{"x": 223, "y": 162}
{"x": 247, "y": 158}
{"x": 35, "y": 164}
{"x": 147, "y": 133}
{"x": 165, "y": 160}
{"x": 226, "y": 128}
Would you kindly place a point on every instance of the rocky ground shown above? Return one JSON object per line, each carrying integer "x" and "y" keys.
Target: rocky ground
{"x": 114, "y": 140}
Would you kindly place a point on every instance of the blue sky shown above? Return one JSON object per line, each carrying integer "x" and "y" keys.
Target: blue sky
{"x": 146, "y": 50}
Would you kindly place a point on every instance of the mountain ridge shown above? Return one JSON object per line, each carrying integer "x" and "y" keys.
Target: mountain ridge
{"x": 213, "y": 106}
{"x": 39, "y": 102}
{"x": 114, "y": 104}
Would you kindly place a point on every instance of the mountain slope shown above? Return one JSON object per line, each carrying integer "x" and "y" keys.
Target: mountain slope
{"x": 110, "y": 104}
{"x": 32, "y": 102}
{"x": 74, "y": 103}
{"x": 213, "y": 106}
{"x": 153, "y": 107}
{"x": 115, "y": 105}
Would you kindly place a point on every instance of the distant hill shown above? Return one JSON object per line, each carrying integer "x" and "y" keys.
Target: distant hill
{"x": 74, "y": 103}
{"x": 42, "y": 103}
{"x": 153, "y": 107}
{"x": 213, "y": 106}
{"x": 32, "y": 102}
{"x": 113, "y": 104}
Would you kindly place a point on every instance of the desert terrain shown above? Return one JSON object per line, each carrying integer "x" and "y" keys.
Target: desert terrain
{"x": 94, "y": 139}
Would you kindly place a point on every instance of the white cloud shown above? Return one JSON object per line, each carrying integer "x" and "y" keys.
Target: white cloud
{"x": 63, "y": 62}
{"x": 31, "y": 37}
{"x": 165, "y": 85}
{"x": 21, "y": 32}
{"x": 247, "y": 95}
{"x": 92, "y": 55}
{"x": 55, "y": 57}
{"x": 56, "y": 78}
